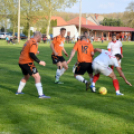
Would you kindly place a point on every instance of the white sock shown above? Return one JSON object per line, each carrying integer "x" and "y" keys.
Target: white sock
{"x": 58, "y": 74}
{"x": 93, "y": 83}
{"x": 39, "y": 88}
{"x": 21, "y": 86}
{"x": 118, "y": 91}
{"x": 91, "y": 80}
{"x": 81, "y": 79}
{"x": 62, "y": 71}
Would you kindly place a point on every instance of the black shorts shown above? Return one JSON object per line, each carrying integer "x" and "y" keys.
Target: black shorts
{"x": 28, "y": 69}
{"x": 57, "y": 59}
{"x": 84, "y": 67}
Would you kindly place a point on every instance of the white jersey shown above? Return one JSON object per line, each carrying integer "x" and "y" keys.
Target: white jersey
{"x": 115, "y": 47}
{"x": 106, "y": 59}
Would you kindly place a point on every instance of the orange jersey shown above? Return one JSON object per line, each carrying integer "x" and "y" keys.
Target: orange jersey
{"x": 30, "y": 46}
{"x": 84, "y": 50}
{"x": 88, "y": 40}
{"x": 58, "y": 42}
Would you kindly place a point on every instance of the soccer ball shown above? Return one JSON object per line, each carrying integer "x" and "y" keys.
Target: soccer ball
{"x": 103, "y": 90}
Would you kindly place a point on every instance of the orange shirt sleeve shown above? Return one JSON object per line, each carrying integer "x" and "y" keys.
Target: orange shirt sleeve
{"x": 92, "y": 48}
{"x": 76, "y": 46}
{"x": 54, "y": 40}
{"x": 33, "y": 48}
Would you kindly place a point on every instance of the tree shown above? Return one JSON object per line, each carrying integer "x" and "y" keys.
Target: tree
{"x": 129, "y": 15}
{"x": 31, "y": 10}
{"x": 111, "y": 22}
{"x": 51, "y": 6}
{"x": 9, "y": 11}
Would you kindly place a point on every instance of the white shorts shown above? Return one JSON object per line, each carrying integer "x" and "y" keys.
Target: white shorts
{"x": 100, "y": 69}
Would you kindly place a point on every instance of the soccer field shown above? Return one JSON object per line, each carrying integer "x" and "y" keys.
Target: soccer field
{"x": 71, "y": 110}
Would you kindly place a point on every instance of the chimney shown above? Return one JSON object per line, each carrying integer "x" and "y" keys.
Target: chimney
{"x": 86, "y": 18}
{"x": 96, "y": 16}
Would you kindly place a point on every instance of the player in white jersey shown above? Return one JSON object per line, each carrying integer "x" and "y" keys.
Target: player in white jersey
{"x": 101, "y": 65}
{"x": 115, "y": 47}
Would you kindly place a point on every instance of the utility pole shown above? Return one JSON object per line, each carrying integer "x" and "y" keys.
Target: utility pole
{"x": 80, "y": 18}
{"x": 18, "y": 21}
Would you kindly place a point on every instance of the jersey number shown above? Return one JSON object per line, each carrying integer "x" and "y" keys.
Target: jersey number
{"x": 84, "y": 49}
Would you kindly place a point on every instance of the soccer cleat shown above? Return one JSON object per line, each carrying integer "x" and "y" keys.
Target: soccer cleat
{"x": 73, "y": 70}
{"x": 119, "y": 94}
{"x": 17, "y": 93}
{"x": 44, "y": 97}
{"x": 87, "y": 85}
{"x": 58, "y": 82}
{"x": 93, "y": 89}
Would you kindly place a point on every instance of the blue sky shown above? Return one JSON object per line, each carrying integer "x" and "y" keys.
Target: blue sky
{"x": 100, "y": 6}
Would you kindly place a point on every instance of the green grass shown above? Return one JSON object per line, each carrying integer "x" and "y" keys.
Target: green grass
{"x": 71, "y": 110}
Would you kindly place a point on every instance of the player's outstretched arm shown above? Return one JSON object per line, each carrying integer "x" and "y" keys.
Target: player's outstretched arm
{"x": 65, "y": 52}
{"x": 33, "y": 56}
{"x": 71, "y": 56}
{"x": 123, "y": 76}
{"x": 42, "y": 63}
{"x": 52, "y": 47}
{"x": 98, "y": 50}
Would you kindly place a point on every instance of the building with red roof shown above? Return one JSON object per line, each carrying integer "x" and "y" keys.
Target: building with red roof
{"x": 60, "y": 21}
{"x": 84, "y": 21}
{"x": 97, "y": 32}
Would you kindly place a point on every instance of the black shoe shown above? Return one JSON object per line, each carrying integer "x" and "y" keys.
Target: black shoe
{"x": 87, "y": 85}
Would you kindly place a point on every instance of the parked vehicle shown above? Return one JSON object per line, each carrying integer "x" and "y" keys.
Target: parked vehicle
{"x": 22, "y": 36}
{"x": 3, "y": 35}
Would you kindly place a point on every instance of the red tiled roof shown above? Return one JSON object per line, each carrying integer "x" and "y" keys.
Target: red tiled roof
{"x": 108, "y": 28}
{"x": 75, "y": 21}
{"x": 60, "y": 21}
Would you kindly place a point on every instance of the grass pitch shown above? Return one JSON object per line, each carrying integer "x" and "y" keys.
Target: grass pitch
{"x": 71, "y": 110}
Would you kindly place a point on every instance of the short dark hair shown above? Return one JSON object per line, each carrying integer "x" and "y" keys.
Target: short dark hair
{"x": 113, "y": 35}
{"x": 63, "y": 29}
{"x": 119, "y": 56}
{"x": 85, "y": 32}
{"x": 82, "y": 37}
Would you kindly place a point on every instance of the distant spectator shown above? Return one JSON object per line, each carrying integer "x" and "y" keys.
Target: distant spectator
{"x": 48, "y": 39}
{"x": 44, "y": 38}
{"x": 125, "y": 37}
{"x": 129, "y": 38}
{"x": 122, "y": 37}
{"x": 92, "y": 39}
{"x": 67, "y": 38}
{"x": 7, "y": 39}
{"x": 73, "y": 40}
{"x": 102, "y": 39}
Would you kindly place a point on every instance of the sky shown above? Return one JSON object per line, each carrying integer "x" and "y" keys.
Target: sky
{"x": 100, "y": 6}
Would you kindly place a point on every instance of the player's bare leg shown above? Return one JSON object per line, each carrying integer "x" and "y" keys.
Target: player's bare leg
{"x": 115, "y": 83}
{"x": 74, "y": 67}
{"x": 95, "y": 79}
{"x": 81, "y": 79}
{"x": 39, "y": 86}
{"x": 22, "y": 84}
{"x": 62, "y": 67}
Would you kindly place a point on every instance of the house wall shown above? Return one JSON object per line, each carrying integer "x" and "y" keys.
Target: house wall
{"x": 72, "y": 29}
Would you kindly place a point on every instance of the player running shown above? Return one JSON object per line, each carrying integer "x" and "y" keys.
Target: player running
{"x": 88, "y": 40}
{"x": 26, "y": 63}
{"x": 115, "y": 47}
{"x": 101, "y": 65}
{"x": 57, "y": 47}
{"x": 85, "y": 53}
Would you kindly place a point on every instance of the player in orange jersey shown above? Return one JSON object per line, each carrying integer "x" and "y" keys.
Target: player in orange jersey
{"x": 57, "y": 47}
{"x": 85, "y": 53}
{"x": 26, "y": 63}
{"x": 88, "y": 40}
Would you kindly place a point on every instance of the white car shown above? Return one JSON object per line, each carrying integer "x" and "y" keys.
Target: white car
{"x": 3, "y": 35}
